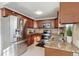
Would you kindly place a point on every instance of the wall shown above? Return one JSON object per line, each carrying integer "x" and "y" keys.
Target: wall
{"x": 76, "y": 35}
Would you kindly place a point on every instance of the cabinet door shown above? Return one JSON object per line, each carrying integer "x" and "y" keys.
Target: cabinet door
{"x": 28, "y": 40}
{"x": 56, "y": 23}
{"x": 69, "y": 12}
{"x": 35, "y": 24}
{"x": 30, "y": 23}
{"x": 40, "y": 24}
{"x": 32, "y": 39}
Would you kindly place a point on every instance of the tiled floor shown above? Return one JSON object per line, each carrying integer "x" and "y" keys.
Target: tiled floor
{"x": 19, "y": 49}
{"x": 15, "y": 49}
{"x": 34, "y": 51}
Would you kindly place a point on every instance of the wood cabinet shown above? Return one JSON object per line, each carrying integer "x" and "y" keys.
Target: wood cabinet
{"x": 37, "y": 37}
{"x": 30, "y": 40}
{"x": 35, "y": 24}
{"x": 39, "y": 24}
{"x": 30, "y": 23}
{"x": 57, "y": 52}
{"x": 69, "y": 12}
{"x": 6, "y": 12}
{"x": 53, "y": 22}
{"x": 56, "y": 23}
{"x": 33, "y": 38}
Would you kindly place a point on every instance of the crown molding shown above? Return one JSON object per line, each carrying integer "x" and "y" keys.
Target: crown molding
{"x": 29, "y": 16}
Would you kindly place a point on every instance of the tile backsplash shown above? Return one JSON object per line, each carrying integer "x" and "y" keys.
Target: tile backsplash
{"x": 41, "y": 30}
{"x": 30, "y": 31}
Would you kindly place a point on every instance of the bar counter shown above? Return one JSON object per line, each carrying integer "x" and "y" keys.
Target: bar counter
{"x": 60, "y": 46}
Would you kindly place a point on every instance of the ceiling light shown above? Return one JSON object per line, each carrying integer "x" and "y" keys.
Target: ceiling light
{"x": 38, "y": 12}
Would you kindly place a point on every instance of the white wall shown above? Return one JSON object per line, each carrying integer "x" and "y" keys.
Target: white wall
{"x": 76, "y": 35}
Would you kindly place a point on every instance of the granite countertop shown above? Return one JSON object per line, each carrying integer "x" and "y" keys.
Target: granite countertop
{"x": 35, "y": 34}
{"x": 55, "y": 44}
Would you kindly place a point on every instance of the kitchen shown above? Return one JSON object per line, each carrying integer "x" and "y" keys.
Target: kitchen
{"x": 58, "y": 35}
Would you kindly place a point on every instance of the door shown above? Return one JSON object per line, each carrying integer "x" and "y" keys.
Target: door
{"x": 5, "y": 32}
{"x": 8, "y": 26}
{"x": 13, "y": 27}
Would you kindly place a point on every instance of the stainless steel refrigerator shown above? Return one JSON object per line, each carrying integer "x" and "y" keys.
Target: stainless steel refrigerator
{"x": 8, "y": 30}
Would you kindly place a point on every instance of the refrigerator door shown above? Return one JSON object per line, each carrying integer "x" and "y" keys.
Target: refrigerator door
{"x": 8, "y": 27}
{"x": 5, "y": 32}
{"x": 13, "y": 27}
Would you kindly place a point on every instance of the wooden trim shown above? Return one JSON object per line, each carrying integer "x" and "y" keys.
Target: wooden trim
{"x": 6, "y": 12}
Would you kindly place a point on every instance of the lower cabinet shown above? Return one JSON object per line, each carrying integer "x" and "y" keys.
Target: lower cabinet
{"x": 33, "y": 38}
{"x": 30, "y": 40}
{"x": 37, "y": 37}
{"x": 57, "y": 52}
{"x": 56, "y": 23}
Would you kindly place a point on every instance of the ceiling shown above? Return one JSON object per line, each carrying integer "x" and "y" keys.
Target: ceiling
{"x": 2, "y": 3}
{"x": 49, "y": 9}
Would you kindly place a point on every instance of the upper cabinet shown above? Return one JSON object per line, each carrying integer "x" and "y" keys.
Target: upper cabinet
{"x": 39, "y": 24}
{"x": 69, "y": 12}
{"x": 35, "y": 24}
{"x": 56, "y": 23}
{"x": 53, "y": 23}
{"x": 30, "y": 23}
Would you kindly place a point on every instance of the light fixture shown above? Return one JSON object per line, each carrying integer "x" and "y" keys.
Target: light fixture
{"x": 38, "y": 12}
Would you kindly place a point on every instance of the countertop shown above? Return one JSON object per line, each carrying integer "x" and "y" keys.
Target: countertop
{"x": 55, "y": 44}
{"x": 34, "y": 34}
